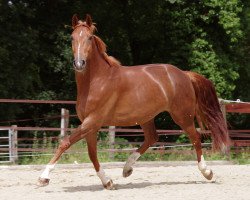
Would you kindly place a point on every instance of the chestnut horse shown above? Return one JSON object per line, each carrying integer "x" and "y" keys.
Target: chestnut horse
{"x": 111, "y": 94}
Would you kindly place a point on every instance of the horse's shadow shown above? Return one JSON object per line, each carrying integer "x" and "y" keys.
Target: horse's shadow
{"x": 99, "y": 187}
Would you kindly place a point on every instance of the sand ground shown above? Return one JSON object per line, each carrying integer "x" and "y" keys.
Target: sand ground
{"x": 155, "y": 180}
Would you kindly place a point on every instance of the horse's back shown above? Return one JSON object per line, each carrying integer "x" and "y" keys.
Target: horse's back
{"x": 179, "y": 88}
{"x": 147, "y": 90}
{"x": 149, "y": 82}
{"x": 167, "y": 79}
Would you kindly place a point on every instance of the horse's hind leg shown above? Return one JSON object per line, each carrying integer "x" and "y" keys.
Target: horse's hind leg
{"x": 150, "y": 137}
{"x": 196, "y": 141}
{"x": 92, "y": 150}
{"x": 187, "y": 124}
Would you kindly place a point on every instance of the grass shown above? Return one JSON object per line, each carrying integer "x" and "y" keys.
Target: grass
{"x": 80, "y": 155}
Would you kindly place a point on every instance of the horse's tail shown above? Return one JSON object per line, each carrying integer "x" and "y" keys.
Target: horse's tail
{"x": 208, "y": 108}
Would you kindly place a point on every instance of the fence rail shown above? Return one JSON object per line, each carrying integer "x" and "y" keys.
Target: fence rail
{"x": 15, "y": 148}
{"x": 12, "y": 145}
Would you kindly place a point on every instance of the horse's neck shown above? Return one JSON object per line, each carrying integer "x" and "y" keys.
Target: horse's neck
{"x": 82, "y": 82}
{"x": 97, "y": 67}
{"x": 96, "y": 64}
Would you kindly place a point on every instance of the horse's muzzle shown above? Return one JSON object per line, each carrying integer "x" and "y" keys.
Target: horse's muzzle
{"x": 79, "y": 65}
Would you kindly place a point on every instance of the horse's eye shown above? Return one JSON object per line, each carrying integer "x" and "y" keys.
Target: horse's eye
{"x": 90, "y": 37}
{"x": 71, "y": 38}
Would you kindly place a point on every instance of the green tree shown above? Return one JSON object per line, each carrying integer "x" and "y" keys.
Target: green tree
{"x": 211, "y": 37}
{"x": 19, "y": 52}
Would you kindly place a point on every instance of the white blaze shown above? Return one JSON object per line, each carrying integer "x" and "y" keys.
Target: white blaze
{"x": 81, "y": 33}
{"x": 78, "y": 53}
{"x": 78, "y": 49}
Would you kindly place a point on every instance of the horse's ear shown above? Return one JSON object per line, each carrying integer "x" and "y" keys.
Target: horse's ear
{"x": 74, "y": 20}
{"x": 88, "y": 20}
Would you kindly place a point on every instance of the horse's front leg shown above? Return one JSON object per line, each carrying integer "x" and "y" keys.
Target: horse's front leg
{"x": 150, "y": 137}
{"x": 92, "y": 150}
{"x": 86, "y": 128}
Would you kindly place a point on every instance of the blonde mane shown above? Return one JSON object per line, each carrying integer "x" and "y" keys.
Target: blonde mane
{"x": 101, "y": 46}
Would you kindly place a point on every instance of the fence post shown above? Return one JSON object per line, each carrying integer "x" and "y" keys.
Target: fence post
{"x": 13, "y": 144}
{"x": 223, "y": 109}
{"x": 64, "y": 122}
{"x": 111, "y": 140}
{"x": 224, "y": 113}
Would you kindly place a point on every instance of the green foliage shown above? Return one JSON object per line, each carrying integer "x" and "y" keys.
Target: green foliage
{"x": 216, "y": 40}
{"x": 19, "y": 74}
{"x": 209, "y": 64}
{"x": 78, "y": 153}
{"x": 211, "y": 37}
{"x": 242, "y": 157}
{"x": 183, "y": 138}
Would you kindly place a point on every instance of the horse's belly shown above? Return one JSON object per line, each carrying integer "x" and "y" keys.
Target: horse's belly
{"x": 137, "y": 114}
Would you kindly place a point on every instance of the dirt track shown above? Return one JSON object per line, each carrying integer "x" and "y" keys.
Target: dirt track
{"x": 149, "y": 181}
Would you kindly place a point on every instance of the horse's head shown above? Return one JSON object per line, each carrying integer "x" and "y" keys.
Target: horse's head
{"x": 81, "y": 41}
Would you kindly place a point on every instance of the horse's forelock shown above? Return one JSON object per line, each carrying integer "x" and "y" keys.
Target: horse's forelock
{"x": 92, "y": 28}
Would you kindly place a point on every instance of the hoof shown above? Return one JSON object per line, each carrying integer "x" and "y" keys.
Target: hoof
{"x": 209, "y": 176}
{"x": 127, "y": 172}
{"x": 42, "y": 182}
{"x": 109, "y": 185}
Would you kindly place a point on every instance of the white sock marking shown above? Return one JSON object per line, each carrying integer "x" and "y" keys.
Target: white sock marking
{"x": 102, "y": 176}
{"x": 47, "y": 170}
{"x": 203, "y": 167}
{"x": 131, "y": 160}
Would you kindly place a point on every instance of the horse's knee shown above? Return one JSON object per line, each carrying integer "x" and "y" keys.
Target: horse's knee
{"x": 65, "y": 144}
{"x": 88, "y": 127}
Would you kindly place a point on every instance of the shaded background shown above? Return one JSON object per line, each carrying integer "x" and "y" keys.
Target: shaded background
{"x": 211, "y": 37}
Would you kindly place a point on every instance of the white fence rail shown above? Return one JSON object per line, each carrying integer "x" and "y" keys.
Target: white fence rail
{"x": 9, "y": 141}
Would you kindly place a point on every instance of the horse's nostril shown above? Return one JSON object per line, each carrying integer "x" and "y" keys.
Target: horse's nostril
{"x": 78, "y": 63}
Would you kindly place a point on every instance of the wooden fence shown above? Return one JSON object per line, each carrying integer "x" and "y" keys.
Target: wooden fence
{"x": 12, "y": 146}
{"x": 16, "y": 147}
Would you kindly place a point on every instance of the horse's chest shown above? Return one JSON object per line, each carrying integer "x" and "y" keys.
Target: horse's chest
{"x": 87, "y": 105}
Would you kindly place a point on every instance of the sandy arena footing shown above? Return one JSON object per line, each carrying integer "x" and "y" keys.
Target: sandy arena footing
{"x": 150, "y": 180}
